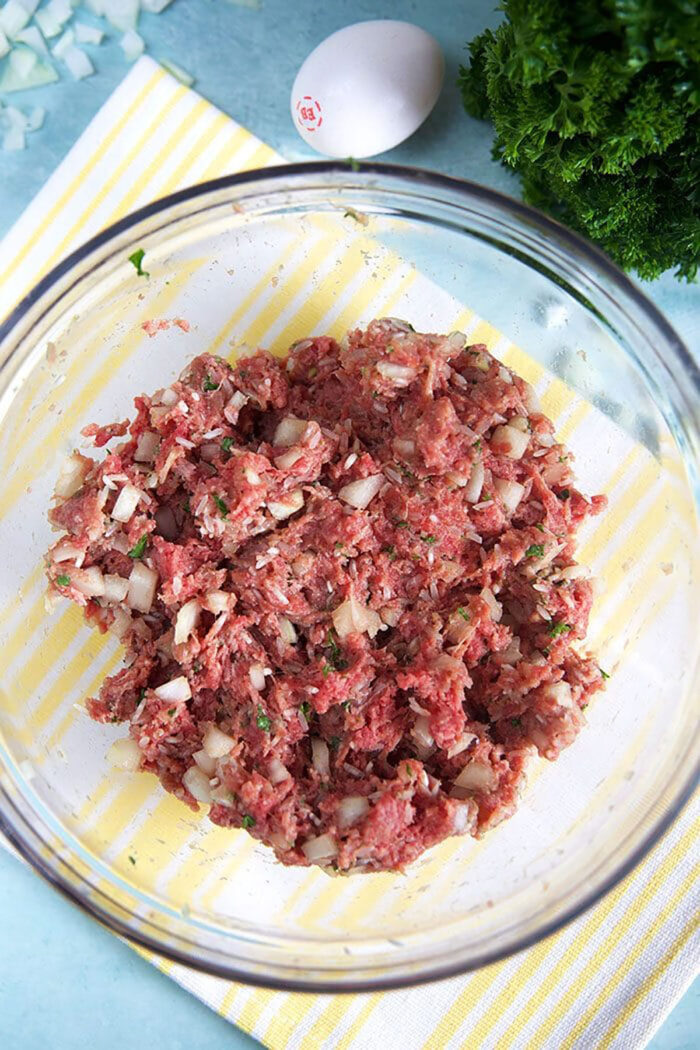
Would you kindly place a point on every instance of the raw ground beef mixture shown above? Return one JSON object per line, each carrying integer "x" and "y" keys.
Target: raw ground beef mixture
{"x": 345, "y": 582}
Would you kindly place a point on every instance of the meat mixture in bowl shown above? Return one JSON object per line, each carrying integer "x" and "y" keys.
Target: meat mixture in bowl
{"x": 346, "y": 586}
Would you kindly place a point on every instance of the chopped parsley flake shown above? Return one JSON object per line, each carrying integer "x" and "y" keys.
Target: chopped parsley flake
{"x": 461, "y": 611}
{"x": 171, "y": 711}
{"x": 401, "y": 524}
{"x": 137, "y": 551}
{"x": 477, "y": 445}
{"x": 539, "y": 526}
{"x": 564, "y": 494}
{"x": 136, "y": 259}
{"x": 326, "y": 670}
{"x": 133, "y": 859}
{"x": 336, "y": 660}
{"x": 221, "y": 505}
{"x": 535, "y": 550}
{"x": 247, "y": 821}
{"x": 262, "y": 721}
{"x": 516, "y": 723}
{"x": 63, "y": 580}
{"x": 345, "y": 705}
{"x": 603, "y": 673}
{"x": 334, "y": 743}
{"x": 391, "y": 551}
{"x": 209, "y": 384}
{"x": 142, "y": 694}
{"x": 305, "y": 708}
{"x": 186, "y": 506}
{"x": 227, "y": 444}
{"x": 196, "y": 666}
{"x": 409, "y": 771}
{"x": 557, "y": 628}
{"x": 428, "y": 537}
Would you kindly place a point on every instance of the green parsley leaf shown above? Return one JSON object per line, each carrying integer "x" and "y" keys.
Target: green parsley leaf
{"x": 136, "y": 258}
{"x": 603, "y": 673}
{"x": 305, "y": 708}
{"x": 516, "y": 722}
{"x": 461, "y": 611}
{"x": 401, "y": 524}
{"x": 63, "y": 580}
{"x": 171, "y": 711}
{"x": 428, "y": 537}
{"x": 556, "y": 628}
{"x": 142, "y": 694}
{"x": 132, "y": 859}
{"x": 564, "y": 494}
{"x": 391, "y": 551}
{"x": 345, "y": 705}
{"x": 336, "y": 661}
{"x": 539, "y": 526}
{"x": 186, "y": 506}
{"x": 227, "y": 444}
{"x": 196, "y": 666}
{"x": 409, "y": 771}
{"x": 247, "y": 821}
{"x": 137, "y": 551}
{"x": 326, "y": 670}
{"x": 262, "y": 721}
{"x": 477, "y": 445}
{"x": 334, "y": 743}
{"x": 221, "y": 505}
{"x": 535, "y": 550}
{"x": 209, "y": 384}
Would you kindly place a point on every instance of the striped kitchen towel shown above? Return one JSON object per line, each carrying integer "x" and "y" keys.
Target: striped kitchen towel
{"x": 606, "y": 980}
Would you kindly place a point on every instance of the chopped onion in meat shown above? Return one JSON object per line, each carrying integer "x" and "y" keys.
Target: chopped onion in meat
{"x": 126, "y": 503}
{"x": 323, "y": 847}
{"x": 186, "y": 621}
{"x": 422, "y": 736}
{"x": 89, "y": 582}
{"x": 472, "y": 492}
{"x": 287, "y": 630}
{"x": 197, "y": 783}
{"x": 205, "y": 762}
{"x": 72, "y": 475}
{"x": 513, "y": 441}
{"x": 115, "y": 588}
{"x": 495, "y": 608}
{"x": 511, "y": 492}
{"x": 350, "y": 810}
{"x": 216, "y": 743}
{"x": 67, "y": 551}
{"x": 359, "y": 493}
{"x": 559, "y": 693}
{"x": 288, "y": 459}
{"x": 399, "y": 375}
{"x": 257, "y": 676}
{"x": 290, "y": 504}
{"x": 351, "y": 616}
{"x": 276, "y": 771}
{"x": 121, "y": 622}
{"x": 177, "y": 690}
{"x": 290, "y": 431}
{"x": 142, "y": 587}
{"x": 320, "y": 756}
{"x": 476, "y": 778}
{"x": 146, "y": 447}
{"x": 216, "y": 602}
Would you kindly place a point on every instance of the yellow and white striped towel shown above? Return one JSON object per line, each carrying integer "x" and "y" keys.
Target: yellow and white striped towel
{"x": 606, "y": 980}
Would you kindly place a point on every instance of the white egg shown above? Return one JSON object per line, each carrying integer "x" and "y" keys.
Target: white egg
{"x": 366, "y": 88}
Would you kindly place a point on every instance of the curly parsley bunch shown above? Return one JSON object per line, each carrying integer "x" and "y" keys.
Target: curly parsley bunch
{"x": 596, "y": 103}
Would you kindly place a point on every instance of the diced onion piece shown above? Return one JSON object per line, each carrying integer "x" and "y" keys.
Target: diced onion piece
{"x": 216, "y": 743}
{"x": 234, "y": 406}
{"x": 290, "y": 431}
{"x": 456, "y": 477}
{"x": 122, "y": 14}
{"x": 86, "y": 34}
{"x": 197, "y": 783}
{"x": 464, "y": 818}
{"x": 404, "y": 447}
{"x": 89, "y": 582}
{"x": 78, "y": 62}
{"x": 350, "y": 810}
{"x": 217, "y": 602}
{"x": 473, "y": 488}
{"x": 142, "y": 587}
{"x": 257, "y": 676}
{"x": 422, "y": 735}
{"x": 276, "y": 771}
{"x": 511, "y": 492}
{"x": 519, "y": 423}
{"x": 322, "y": 847}
{"x": 155, "y": 6}
{"x": 205, "y": 762}
{"x": 13, "y": 17}
{"x": 351, "y": 616}
{"x": 461, "y": 744}
{"x": 359, "y": 493}
{"x": 146, "y": 447}
{"x": 132, "y": 45}
{"x": 72, "y": 475}
{"x": 67, "y": 551}
{"x": 121, "y": 622}
{"x": 495, "y": 608}
{"x": 251, "y": 476}
{"x": 476, "y": 778}
{"x": 399, "y": 375}
{"x": 320, "y": 756}
{"x": 126, "y": 503}
{"x": 186, "y": 620}
{"x": 559, "y": 693}
{"x": 459, "y": 629}
{"x": 34, "y": 39}
{"x": 115, "y": 588}
{"x": 290, "y": 504}
{"x": 125, "y": 755}
{"x": 287, "y": 630}
{"x": 555, "y": 474}
{"x": 177, "y": 690}
{"x": 288, "y": 459}
{"x": 513, "y": 441}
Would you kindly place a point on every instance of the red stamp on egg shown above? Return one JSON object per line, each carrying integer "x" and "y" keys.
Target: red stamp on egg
{"x": 309, "y": 113}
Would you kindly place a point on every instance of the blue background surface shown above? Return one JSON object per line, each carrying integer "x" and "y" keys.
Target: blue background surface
{"x": 64, "y": 981}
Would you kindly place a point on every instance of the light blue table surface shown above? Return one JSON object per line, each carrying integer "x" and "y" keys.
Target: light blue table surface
{"x": 64, "y": 981}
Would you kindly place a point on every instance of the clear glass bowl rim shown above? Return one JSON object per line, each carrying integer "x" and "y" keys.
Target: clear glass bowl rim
{"x": 678, "y": 361}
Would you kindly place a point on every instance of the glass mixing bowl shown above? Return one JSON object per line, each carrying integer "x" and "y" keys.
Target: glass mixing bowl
{"x": 266, "y": 258}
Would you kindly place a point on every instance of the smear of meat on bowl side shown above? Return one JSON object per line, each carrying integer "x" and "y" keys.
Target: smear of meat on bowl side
{"x": 346, "y": 586}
